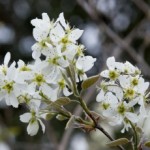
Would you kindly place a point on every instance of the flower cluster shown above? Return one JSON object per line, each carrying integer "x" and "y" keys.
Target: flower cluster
{"x": 55, "y": 53}
{"x": 123, "y": 94}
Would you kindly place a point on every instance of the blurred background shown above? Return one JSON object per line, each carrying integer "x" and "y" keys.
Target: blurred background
{"x": 119, "y": 28}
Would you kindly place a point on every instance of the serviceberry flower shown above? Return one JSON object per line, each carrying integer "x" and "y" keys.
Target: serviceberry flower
{"x": 33, "y": 118}
{"x": 122, "y": 95}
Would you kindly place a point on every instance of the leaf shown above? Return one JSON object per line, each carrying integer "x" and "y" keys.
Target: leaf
{"x": 72, "y": 73}
{"x": 118, "y": 142}
{"x": 62, "y": 101}
{"x": 89, "y": 81}
{"x": 147, "y": 144}
{"x": 61, "y": 117}
{"x": 138, "y": 130}
{"x": 49, "y": 116}
{"x": 70, "y": 122}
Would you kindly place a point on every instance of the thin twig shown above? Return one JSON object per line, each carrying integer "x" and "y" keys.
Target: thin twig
{"x": 107, "y": 135}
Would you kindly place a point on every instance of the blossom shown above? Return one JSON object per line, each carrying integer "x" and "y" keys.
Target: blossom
{"x": 63, "y": 86}
{"x": 41, "y": 35}
{"x": 63, "y": 35}
{"x": 4, "y": 67}
{"x": 84, "y": 64}
{"x": 118, "y": 95}
{"x": 10, "y": 87}
{"x": 34, "y": 119}
{"x": 114, "y": 69}
{"x": 109, "y": 87}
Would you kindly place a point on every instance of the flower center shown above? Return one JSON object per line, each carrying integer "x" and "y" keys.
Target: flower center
{"x": 113, "y": 75}
{"x": 129, "y": 94}
{"x": 39, "y": 79}
{"x": 8, "y": 86}
{"x": 62, "y": 83}
{"x": 105, "y": 106}
{"x": 65, "y": 40}
{"x": 25, "y": 68}
{"x": 134, "y": 82}
{"x": 121, "y": 109}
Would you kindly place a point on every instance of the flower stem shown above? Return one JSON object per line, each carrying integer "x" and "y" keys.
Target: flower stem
{"x": 135, "y": 136}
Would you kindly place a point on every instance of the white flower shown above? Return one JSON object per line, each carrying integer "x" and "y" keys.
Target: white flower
{"x": 109, "y": 87}
{"x": 114, "y": 69}
{"x": 63, "y": 86}
{"x": 41, "y": 81}
{"x": 62, "y": 21}
{"x": 4, "y": 67}
{"x": 84, "y": 64}
{"x": 130, "y": 69}
{"x": 120, "y": 113}
{"x": 55, "y": 62}
{"x": 34, "y": 119}
{"x": 10, "y": 87}
{"x": 41, "y": 35}
{"x": 62, "y": 34}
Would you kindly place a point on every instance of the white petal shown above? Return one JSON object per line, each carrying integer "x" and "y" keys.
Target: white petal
{"x": 100, "y": 96}
{"x": 86, "y": 62}
{"x": 13, "y": 100}
{"x": 48, "y": 91}
{"x": 2, "y": 95}
{"x": 45, "y": 17}
{"x": 105, "y": 73}
{"x": 62, "y": 20}
{"x": 75, "y": 35}
{"x": 20, "y": 63}
{"x": 40, "y": 34}
{"x": 7, "y": 58}
{"x": 42, "y": 125}
{"x": 134, "y": 101}
{"x": 124, "y": 81}
{"x": 111, "y": 98}
{"x": 70, "y": 51}
{"x": 36, "y": 51}
{"x": 33, "y": 128}
{"x": 142, "y": 86}
{"x": 117, "y": 90}
{"x": 25, "y": 117}
{"x": 111, "y": 62}
{"x": 57, "y": 33}
{"x": 132, "y": 117}
{"x": 11, "y": 73}
{"x": 62, "y": 62}
{"x": 35, "y": 103}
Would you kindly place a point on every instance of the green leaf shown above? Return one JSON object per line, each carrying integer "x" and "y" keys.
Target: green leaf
{"x": 70, "y": 122}
{"x": 71, "y": 71}
{"x": 118, "y": 142}
{"x": 61, "y": 117}
{"x": 49, "y": 116}
{"x": 62, "y": 101}
{"x": 89, "y": 81}
{"x": 138, "y": 130}
{"x": 147, "y": 144}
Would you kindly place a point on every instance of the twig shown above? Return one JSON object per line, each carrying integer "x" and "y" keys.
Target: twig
{"x": 107, "y": 135}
